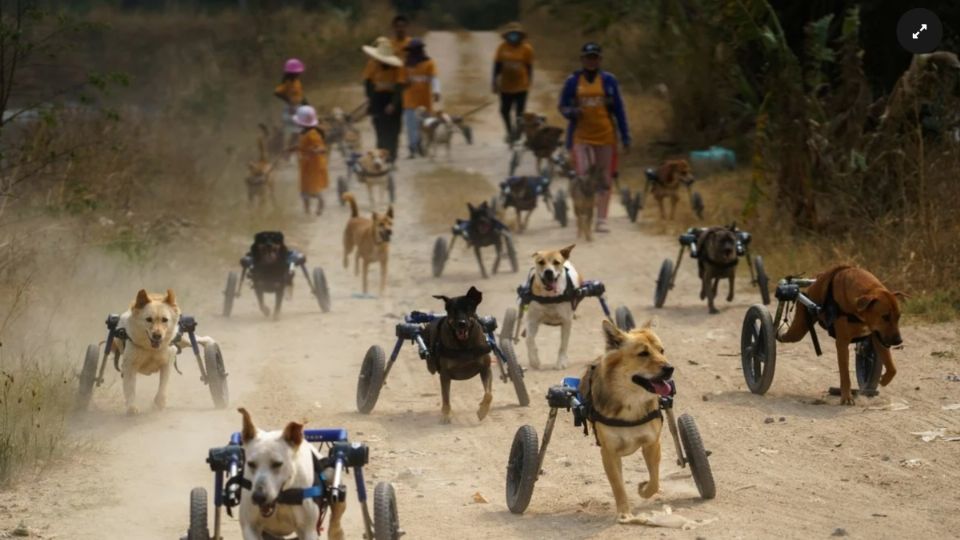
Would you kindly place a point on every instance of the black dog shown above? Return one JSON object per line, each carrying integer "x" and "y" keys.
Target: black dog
{"x": 521, "y": 193}
{"x": 716, "y": 259}
{"x": 483, "y": 230}
{"x": 269, "y": 266}
{"x": 459, "y": 349}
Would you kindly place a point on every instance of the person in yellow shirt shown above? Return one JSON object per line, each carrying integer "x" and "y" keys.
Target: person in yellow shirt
{"x": 312, "y": 154}
{"x": 423, "y": 89}
{"x": 384, "y": 83}
{"x": 512, "y": 75}
{"x": 290, "y": 91}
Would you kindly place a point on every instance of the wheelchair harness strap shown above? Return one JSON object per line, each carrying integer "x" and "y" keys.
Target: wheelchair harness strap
{"x": 595, "y": 417}
{"x": 437, "y": 348}
{"x": 296, "y": 496}
{"x": 525, "y": 292}
{"x": 831, "y": 312}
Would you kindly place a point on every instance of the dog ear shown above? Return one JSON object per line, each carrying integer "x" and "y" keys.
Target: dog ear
{"x": 471, "y": 208}
{"x": 475, "y": 296}
{"x": 864, "y": 302}
{"x": 901, "y": 296}
{"x": 376, "y": 217}
{"x": 566, "y": 251}
{"x": 390, "y": 211}
{"x": 170, "y": 299}
{"x": 249, "y": 431}
{"x": 613, "y": 335}
{"x": 142, "y": 299}
{"x": 293, "y": 434}
{"x": 652, "y": 322}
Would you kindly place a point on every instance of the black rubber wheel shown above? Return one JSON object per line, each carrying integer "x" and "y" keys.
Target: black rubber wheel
{"x": 696, "y": 456}
{"x": 625, "y": 198}
{"x": 371, "y": 379}
{"x": 515, "y": 372}
{"x": 758, "y": 349}
{"x": 663, "y": 283}
{"x": 198, "y": 515}
{"x": 321, "y": 289}
{"x": 696, "y": 204}
{"x": 391, "y": 188}
{"x": 624, "y": 319}
{"x": 341, "y": 189}
{"x": 506, "y": 326}
{"x": 869, "y": 368}
{"x": 560, "y": 208}
{"x": 763, "y": 281}
{"x": 522, "y": 469}
{"x": 439, "y": 256}
{"x": 88, "y": 377}
{"x": 514, "y": 162}
{"x": 229, "y": 293}
{"x": 216, "y": 375}
{"x": 386, "y": 520}
{"x": 511, "y": 253}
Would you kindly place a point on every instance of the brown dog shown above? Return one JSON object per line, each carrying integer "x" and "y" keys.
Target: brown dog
{"x": 625, "y": 385}
{"x": 371, "y": 238}
{"x": 855, "y": 305}
{"x": 583, "y": 191}
{"x": 540, "y": 138}
{"x": 260, "y": 173}
{"x": 670, "y": 177}
{"x": 716, "y": 259}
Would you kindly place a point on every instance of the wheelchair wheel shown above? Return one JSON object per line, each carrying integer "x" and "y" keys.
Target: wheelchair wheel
{"x": 439, "y": 256}
{"x": 522, "y": 469}
{"x": 386, "y": 521}
{"x": 230, "y": 293}
{"x": 391, "y": 188}
{"x": 758, "y": 349}
{"x": 467, "y": 134}
{"x": 624, "y": 319}
{"x": 216, "y": 375}
{"x": 198, "y": 515}
{"x": 763, "y": 281}
{"x": 511, "y": 253}
{"x": 515, "y": 372}
{"x": 88, "y": 377}
{"x": 560, "y": 208}
{"x": 506, "y": 326}
{"x": 341, "y": 189}
{"x": 371, "y": 379}
{"x": 869, "y": 368}
{"x": 696, "y": 204}
{"x": 514, "y": 162}
{"x": 696, "y": 456}
{"x": 663, "y": 283}
{"x": 321, "y": 289}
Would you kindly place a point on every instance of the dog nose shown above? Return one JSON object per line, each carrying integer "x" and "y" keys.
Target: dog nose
{"x": 259, "y": 498}
{"x": 897, "y": 340}
{"x": 666, "y": 372}
{"x": 548, "y": 273}
{"x": 156, "y": 335}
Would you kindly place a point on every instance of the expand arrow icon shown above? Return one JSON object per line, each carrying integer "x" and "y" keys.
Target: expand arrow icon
{"x": 916, "y": 35}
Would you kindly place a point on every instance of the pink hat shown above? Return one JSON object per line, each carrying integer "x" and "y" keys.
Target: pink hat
{"x": 293, "y": 65}
{"x": 306, "y": 116}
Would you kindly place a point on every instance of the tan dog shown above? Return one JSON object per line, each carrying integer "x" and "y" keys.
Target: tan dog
{"x": 276, "y": 461}
{"x": 583, "y": 191}
{"x": 373, "y": 169}
{"x": 260, "y": 184}
{"x": 625, "y": 384}
{"x": 370, "y": 237}
{"x": 435, "y": 130}
{"x": 854, "y": 305}
{"x": 341, "y": 133}
{"x": 670, "y": 177}
{"x": 552, "y": 277}
{"x": 151, "y": 328}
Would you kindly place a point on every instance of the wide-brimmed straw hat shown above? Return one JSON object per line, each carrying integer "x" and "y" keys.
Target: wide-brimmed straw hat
{"x": 382, "y": 51}
{"x": 306, "y": 116}
{"x": 513, "y": 27}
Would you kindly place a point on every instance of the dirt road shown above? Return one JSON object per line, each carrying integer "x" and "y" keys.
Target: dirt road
{"x": 814, "y": 468}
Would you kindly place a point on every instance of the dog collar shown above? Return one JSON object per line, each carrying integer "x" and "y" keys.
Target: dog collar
{"x": 525, "y": 292}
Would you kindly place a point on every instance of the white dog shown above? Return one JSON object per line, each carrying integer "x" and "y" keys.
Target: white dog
{"x": 151, "y": 328}
{"x": 435, "y": 130}
{"x": 277, "y": 461}
{"x": 552, "y": 282}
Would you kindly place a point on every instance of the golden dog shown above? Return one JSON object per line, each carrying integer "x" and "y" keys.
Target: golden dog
{"x": 670, "y": 176}
{"x": 370, "y": 237}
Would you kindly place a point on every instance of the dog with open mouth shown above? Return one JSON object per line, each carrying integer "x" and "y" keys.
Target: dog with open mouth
{"x": 459, "y": 350}
{"x": 621, "y": 392}
{"x": 552, "y": 283}
{"x": 275, "y": 462}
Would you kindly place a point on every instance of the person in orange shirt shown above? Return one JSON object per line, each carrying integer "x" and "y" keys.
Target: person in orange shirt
{"x": 290, "y": 90}
{"x": 512, "y": 75}
{"x": 312, "y": 153}
{"x": 383, "y": 84}
{"x": 423, "y": 89}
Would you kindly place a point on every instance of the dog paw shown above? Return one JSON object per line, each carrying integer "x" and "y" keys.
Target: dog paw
{"x": 562, "y": 363}
{"x": 647, "y": 490}
{"x": 626, "y": 518}
{"x": 484, "y": 409}
{"x": 847, "y": 400}
{"x": 445, "y": 418}
{"x": 714, "y": 311}
{"x": 887, "y": 377}
{"x": 730, "y": 298}
{"x": 534, "y": 362}
{"x": 159, "y": 403}
{"x": 132, "y": 411}
{"x": 265, "y": 310}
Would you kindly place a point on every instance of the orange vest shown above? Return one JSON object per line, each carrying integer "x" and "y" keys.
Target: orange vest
{"x": 594, "y": 126}
{"x": 418, "y": 92}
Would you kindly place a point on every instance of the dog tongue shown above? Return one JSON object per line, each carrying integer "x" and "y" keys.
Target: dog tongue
{"x": 662, "y": 387}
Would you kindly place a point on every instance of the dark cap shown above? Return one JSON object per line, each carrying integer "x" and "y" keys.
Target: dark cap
{"x": 414, "y": 44}
{"x": 591, "y": 48}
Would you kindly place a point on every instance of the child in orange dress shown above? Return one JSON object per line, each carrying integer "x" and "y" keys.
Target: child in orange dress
{"x": 312, "y": 153}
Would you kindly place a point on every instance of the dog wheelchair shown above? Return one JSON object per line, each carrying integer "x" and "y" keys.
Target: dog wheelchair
{"x": 375, "y": 369}
{"x": 279, "y": 283}
{"x": 476, "y": 235}
{"x": 213, "y": 373}
{"x": 525, "y": 464}
{"x": 758, "y": 340}
{"x": 227, "y": 464}
{"x": 512, "y": 319}
{"x": 523, "y": 192}
{"x": 355, "y": 169}
{"x": 633, "y": 202}
{"x": 668, "y": 270}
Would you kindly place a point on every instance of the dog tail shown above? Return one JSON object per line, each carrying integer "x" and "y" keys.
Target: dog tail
{"x": 262, "y": 141}
{"x": 798, "y": 327}
{"x": 348, "y": 198}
